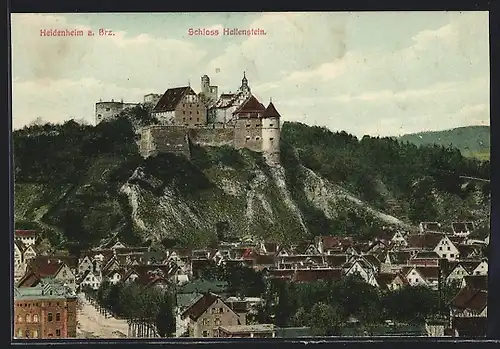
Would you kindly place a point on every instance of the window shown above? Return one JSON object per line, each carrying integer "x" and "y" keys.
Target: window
{"x": 205, "y": 322}
{"x": 35, "y": 318}
{"x": 440, "y": 248}
{"x": 248, "y": 125}
{"x": 28, "y": 318}
{"x": 198, "y": 112}
{"x": 444, "y": 255}
{"x": 205, "y": 334}
{"x": 248, "y": 138}
{"x": 452, "y": 256}
{"x": 107, "y": 109}
{"x": 198, "y": 119}
{"x": 49, "y": 317}
{"x": 217, "y": 322}
{"x": 35, "y": 334}
{"x": 58, "y": 333}
{"x": 20, "y": 333}
{"x": 19, "y": 318}
{"x": 449, "y": 248}
{"x": 271, "y": 139}
{"x": 271, "y": 125}
{"x": 27, "y": 333}
{"x": 183, "y": 112}
{"x": 58, "y": 316}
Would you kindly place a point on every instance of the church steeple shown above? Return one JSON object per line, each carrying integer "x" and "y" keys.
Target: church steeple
{"x": 244, "y": 85}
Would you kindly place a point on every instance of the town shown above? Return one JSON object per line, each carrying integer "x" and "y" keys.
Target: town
{"x": 258, "y": 289}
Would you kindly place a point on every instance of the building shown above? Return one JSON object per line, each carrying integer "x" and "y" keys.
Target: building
{"x": 27, "y": 237}
{"x": 246, "y": 331}
{"x": 47, "y": 310}
{"x": 207, "y": 314}
{"x": 105, "y": 111}
{"x": 180, "y": 106}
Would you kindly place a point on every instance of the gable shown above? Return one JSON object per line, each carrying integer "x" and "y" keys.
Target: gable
{"x": 64, "y": 272}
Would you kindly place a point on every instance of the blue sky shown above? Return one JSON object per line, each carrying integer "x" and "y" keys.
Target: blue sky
{"x": 366, "y": 73}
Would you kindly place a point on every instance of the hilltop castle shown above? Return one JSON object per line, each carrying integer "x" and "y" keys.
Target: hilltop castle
{"x": 238, "y": 119}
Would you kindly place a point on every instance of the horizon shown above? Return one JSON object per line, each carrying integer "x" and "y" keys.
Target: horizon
{"x": 354, "y": 81}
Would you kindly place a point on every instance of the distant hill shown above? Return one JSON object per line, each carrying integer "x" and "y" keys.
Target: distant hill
{"x": 470, "y": 140}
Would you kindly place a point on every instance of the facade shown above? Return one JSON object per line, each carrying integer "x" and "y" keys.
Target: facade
{"x": 180, "y": 106}
{"x": 105, "y": 111}
{"x": 47, "y": 310}
{"x": 207, "y": 314}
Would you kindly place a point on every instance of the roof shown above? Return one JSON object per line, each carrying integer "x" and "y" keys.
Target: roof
{"x": 431, "y": 226}
{"x": 384, "y": 279}
{"x": 25, "y": 233}
{"x": 336, "y": 260}
{"x": 426, "y": 255}
{"x": 460, "y": 227}
{"x": 47, "y": 289}
{"x": 248, "y": 328}
{"x": 171, "y": 98}
{"x": 478, "y": 282}
{"x": 20, "y": 245}
{"x": 428, "y": 272}
{"x": 469, "y": 298}
{"x": 198, "y": 308}
{"x": 428, "y": 240}
{"x": 308, "y": 275}
{"x": 293, "y": 332}
{"x": 251, "y": 105}
{"x": 271, "y": 111}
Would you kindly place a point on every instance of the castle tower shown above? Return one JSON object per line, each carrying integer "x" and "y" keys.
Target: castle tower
{"x": 205, "y": 85}
{"x": 271, "y": 130}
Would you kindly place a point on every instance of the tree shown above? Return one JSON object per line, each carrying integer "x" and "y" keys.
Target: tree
{"x": 324, "y": 320}
{"x": 165, "y": 320}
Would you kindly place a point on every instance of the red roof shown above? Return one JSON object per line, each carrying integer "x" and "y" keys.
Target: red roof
{"x": 251, "y": 105}
{"x": 271, "y": 111}
{"x": 25, "y": 233}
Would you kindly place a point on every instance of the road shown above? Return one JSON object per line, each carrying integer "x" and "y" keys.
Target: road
{"x": 92, "y": 324}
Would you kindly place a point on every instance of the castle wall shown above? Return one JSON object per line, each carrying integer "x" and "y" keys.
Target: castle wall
{"x": 248, "y": 134}
{"x": 212, "y": 136}
{"x": 164, "y": 139}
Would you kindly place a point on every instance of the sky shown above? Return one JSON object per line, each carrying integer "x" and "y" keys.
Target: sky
{"x": 375, "y": 73}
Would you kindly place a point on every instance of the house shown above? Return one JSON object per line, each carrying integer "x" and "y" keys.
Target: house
{"x": 52, "y": 269}
{"x": 399, "y": 239}
{"x": 477, "y": 282}
{"x": 180, "y": 106}
{"x": 47, "y": 310}
{"x": 309, "y": 275}
{"x": 445, "y": 248}
{"x": 423, "y": 276}
{"x": 429, "y": 227}
{"x": 207, "y": 314}
{"x": 89, "y": 279}
{"x": 27, "y": 237}
{"x": 19, "y": 263}
{"x": 333, "y": 244}
{"x": 362, "y": 268}
{"x": 480, "y": 235}
{"x": 246, "y": 331}
{"x": 481, "y": 269}
{"x": 469, "y": 302}
{"x": 457, "y": 274}
{"x": 399, "y": 281}
{"x": 85, "y": 264}
{"x": 462, "y": 229}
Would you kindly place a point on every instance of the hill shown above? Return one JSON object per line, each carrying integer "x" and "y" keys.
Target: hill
{"x": 470, "y": 140}
{"x": 80, "y": 184}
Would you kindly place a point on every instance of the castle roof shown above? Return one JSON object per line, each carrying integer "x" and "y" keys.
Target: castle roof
{"x": 171, "y": 98}
{"x": 271, "y": 111}
{"x": 251, "y": 105}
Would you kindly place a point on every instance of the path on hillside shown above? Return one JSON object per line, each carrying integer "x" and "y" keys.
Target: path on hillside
{"x": 92, "y": 324}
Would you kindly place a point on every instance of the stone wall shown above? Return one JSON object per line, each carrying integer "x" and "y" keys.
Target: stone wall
{"x": 164, "y": 139}
{"x": 211, "y": 136}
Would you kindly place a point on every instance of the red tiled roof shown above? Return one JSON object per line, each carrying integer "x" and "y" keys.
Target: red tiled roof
{"x": 251, "y": 105}
{"x": 271, "y": 111}
{"x": 199, "y": 307}
{"x": 25, "y": 233}
{"x": 171, "y": 98}
{"x": 469, "y": 298}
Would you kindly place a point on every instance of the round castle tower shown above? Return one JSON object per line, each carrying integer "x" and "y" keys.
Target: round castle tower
{"x": 107, "y": 110}
{"x": 271, "y": 130}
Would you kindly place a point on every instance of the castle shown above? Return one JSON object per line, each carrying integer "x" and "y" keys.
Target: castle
{"x": 238, "y": 119}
